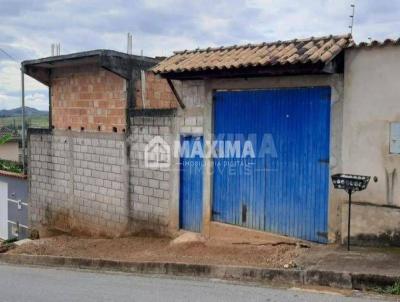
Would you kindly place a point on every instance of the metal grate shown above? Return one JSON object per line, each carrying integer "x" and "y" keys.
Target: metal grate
{"x": 350, "y": 183}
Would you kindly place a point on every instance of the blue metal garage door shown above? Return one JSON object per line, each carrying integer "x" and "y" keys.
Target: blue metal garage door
{"x": 282, "y": 186}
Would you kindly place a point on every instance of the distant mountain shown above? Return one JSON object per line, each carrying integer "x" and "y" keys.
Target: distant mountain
{"x": 29, "y": 111}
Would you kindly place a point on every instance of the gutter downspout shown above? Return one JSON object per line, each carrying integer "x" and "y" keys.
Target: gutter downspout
{"x": 131, "y": 101}
{"x": 23, "y": 117}
{"x": 50, "y": 104}
{"x": 143, "y": 88}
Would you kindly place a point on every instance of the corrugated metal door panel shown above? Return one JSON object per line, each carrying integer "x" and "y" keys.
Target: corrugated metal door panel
{"x": 191, "y": 185}
{"x": 286, "y": 194}
{"x": 244, "y": 208}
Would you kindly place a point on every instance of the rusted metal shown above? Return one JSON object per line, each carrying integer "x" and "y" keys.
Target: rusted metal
{"x": 178, "y": 98}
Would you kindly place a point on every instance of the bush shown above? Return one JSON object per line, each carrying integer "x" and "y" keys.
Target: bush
{"x": 391, "y": 290}
{"x": 11, "y": 166}
{"x": 11, "y": 240}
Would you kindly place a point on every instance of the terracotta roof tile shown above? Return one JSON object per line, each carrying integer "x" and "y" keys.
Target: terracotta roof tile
{"x": 376, "y": 43}
{"x": 311, "y": 50}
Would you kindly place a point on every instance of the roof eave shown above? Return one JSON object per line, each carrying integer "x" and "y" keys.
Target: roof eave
{"x": 119, "y": 63}
{"x": 265, "y": 71}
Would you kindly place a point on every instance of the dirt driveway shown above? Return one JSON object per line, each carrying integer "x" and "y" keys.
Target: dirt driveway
{"x": 161, "y": 250}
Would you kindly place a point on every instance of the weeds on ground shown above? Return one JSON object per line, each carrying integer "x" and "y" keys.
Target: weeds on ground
{"x": 11, "y": 240}
{"x": 7, "y": 244}
{"x": 391, "y": 289}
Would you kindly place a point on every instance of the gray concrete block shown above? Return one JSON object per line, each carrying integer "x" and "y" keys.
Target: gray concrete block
{"x": 138, "y": 189}
{"x": 116, "y": 169}
{"x": 148, "y": 191}
{"x": 164, "y": 185}
{"x": 153, "y": 183}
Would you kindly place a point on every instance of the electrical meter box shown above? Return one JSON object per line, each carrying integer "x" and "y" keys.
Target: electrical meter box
{"x": 395, "y": 138}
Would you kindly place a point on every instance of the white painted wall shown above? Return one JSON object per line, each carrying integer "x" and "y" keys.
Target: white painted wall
{"x": 3, "y": 210}
{"x": 9, "y": 151}
{"x": 371, "y": 102}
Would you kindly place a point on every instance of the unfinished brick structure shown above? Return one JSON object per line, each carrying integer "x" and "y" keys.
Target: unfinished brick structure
{"x": 94, "y": 99}
{"x": 90, "y": 97}
{"x": 86, "y": 172}
{"x": 157, "y": 95}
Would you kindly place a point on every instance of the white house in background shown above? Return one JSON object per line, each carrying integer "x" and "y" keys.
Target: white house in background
{"x": 11, "y": 149}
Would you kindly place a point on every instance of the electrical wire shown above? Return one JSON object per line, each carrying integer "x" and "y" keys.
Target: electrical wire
{"x": 8, "y": 55}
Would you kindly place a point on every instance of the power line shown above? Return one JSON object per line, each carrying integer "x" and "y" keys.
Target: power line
{"x": 9, "y": 56}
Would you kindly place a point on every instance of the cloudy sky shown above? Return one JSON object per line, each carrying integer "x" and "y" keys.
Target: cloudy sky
{"x": 28, "y": 27}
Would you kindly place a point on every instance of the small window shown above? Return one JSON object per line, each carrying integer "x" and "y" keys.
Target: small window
{"x": 395, "y": 138}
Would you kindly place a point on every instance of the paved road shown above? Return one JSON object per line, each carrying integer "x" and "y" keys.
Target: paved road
{"x": 19, "y": 283}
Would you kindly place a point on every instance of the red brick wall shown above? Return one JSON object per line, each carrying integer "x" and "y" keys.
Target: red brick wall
{"x": 158, "y": 93}
{"x": 88, "y": 96}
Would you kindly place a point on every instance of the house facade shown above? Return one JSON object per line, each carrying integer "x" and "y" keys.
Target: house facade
{"x": 244, "y": 135}
{"x": 370, "y": 139}
{"x": 13, "y": 206}
{"x": 10, "y": 149}
{"x": 81, "y": 170}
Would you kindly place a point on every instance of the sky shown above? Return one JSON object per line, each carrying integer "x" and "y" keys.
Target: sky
{"x": 29, "y": 27}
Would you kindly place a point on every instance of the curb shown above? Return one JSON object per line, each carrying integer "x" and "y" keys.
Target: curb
{"x": 292, "y": 277}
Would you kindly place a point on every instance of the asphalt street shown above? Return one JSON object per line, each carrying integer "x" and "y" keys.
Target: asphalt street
{"x": 33, "y": 284}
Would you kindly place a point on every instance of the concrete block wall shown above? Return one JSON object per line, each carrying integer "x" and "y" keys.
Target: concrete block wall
{"x": 372, "y": 224}
{"x": 191, "y": 120}
{"x": 81, "y": 177}
{"x": 150, "y": 188}
{"x": 151, "y": 208}
{"x": 78, "y": 182}
{"x": 49, "y": 178}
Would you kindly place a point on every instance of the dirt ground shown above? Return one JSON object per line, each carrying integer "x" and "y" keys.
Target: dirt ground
{"x": 364, "y": 260}
{"x": 160, "y": 250}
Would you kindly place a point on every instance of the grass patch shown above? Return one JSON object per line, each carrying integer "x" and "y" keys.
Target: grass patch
{"x": 11, "y": 166}
{"x": 7, "y": 245}
{"x": 390, "y": 290}
{"x": 34, "y": 122}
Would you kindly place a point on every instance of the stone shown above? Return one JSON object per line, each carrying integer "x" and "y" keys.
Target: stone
{"x": 188, "y": 237}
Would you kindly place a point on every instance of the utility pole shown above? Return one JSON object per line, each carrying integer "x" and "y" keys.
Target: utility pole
{"x": 23, "y": 117}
